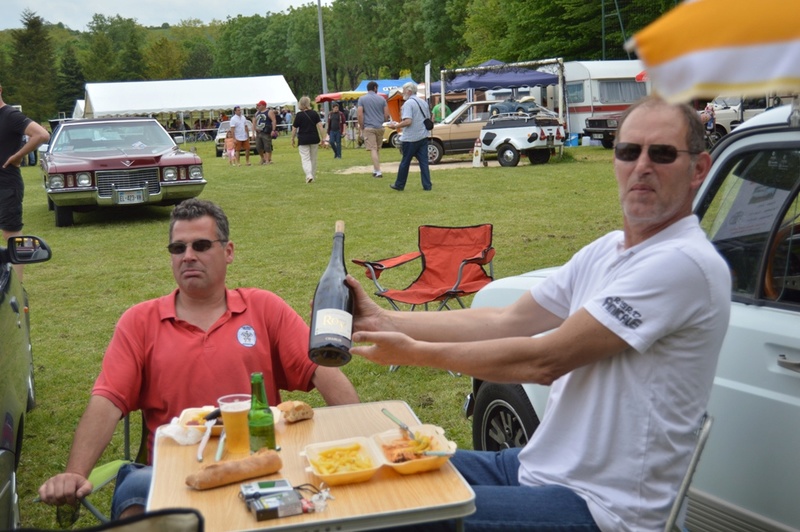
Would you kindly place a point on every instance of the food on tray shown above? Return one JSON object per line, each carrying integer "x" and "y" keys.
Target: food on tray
{"x": 293, "y": 411}
{"x": 262, "y": 463}
{"x": 200, "y": 418}
{"x": 405, "y": 449}
{"x": 342, "y": 459}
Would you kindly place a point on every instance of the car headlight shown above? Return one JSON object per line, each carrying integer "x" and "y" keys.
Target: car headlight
{"x": 84, "y": 179}
{"x": 612, "y": 123}
{"x": 170, "y": 174}
{"x": 56, "y": 181}
{"x": 195, "y": 172}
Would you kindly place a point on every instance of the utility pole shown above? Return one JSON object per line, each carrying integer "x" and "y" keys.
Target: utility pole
{"x": 322, "y": 54}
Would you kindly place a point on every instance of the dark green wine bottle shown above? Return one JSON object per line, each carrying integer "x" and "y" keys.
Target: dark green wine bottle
{"x": 259, "y": 418}
{"x": 332, "y": 312}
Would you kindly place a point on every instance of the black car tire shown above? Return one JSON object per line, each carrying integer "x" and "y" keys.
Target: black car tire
{"x": 219, "y": 153}
{"x": 607, "y": 143}
{"x": 539, "y": 156}
{"x": 63, "y": 216}
{"x": 507, "y": 155}
{"x": 435, "y": 152}
{"x": 503, "y": 418}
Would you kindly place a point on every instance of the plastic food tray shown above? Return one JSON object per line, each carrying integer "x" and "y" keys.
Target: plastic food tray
{"x": 190, "y": 414}
{"x": 372, "y": 448}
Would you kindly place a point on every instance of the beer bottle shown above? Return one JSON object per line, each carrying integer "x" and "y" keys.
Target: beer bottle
{"x": 259, "y": 418}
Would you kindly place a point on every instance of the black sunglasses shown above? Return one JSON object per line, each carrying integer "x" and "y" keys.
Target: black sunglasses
{"x": 178, "y": 248}
{"x": 658, "y": 153}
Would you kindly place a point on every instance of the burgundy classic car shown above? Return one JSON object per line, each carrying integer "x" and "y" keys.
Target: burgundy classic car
{"x": 116, "y": 162}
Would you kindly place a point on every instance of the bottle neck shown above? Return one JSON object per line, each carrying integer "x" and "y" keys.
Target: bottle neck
{"x": 258, "y": 396}
{"x": 337, "y": 254}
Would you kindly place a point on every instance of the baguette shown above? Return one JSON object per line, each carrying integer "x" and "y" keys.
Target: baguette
{"x": 294, "y": 411}
{"x": 262, "y": 463}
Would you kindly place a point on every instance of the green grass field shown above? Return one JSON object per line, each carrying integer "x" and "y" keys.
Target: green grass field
{"x": 282, "y": 229}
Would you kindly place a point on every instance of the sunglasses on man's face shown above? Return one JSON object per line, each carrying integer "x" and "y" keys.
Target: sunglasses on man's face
{"x": 658, "y": 153}
{"x": 178, "y": 248}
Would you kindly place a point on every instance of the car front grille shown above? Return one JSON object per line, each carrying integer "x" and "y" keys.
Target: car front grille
{"x": 600, "y": 123}
{"x": 127, "y": 179}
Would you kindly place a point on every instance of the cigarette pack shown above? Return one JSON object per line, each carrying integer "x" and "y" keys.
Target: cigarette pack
{"x": 276, "y": 505}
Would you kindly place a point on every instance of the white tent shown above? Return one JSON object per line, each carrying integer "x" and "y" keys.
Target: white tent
{"x": 77, "y": 112}
{"x": 150, "y": 97}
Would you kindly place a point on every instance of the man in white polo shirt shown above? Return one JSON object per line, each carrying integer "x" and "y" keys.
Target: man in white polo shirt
{"x": 637, "y": 319}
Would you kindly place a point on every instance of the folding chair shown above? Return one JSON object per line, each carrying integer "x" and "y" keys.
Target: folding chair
{"x": 453, "y": 260}
{"x": 103, "y": 474}
{"x": 169, "y": 520}
{"x": 677, "y": 514}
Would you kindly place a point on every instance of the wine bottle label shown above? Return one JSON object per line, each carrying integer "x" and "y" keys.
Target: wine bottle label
{"x": 333, "y": 321}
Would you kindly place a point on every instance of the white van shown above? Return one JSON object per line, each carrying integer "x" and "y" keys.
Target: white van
{"x": 600, "y": 87}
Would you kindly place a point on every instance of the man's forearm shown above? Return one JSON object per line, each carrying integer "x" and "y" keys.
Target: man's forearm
{"x": 94, "y": 432}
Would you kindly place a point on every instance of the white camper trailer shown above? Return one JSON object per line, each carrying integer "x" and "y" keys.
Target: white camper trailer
{"x": 601, "y": 87}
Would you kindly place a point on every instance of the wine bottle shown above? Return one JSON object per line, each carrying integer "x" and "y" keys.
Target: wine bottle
{"x": 259, "y": 419}
{"x": 332, "y": 312}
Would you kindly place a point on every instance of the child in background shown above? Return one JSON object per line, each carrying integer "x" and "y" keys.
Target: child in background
{"x": 230, "y": 146}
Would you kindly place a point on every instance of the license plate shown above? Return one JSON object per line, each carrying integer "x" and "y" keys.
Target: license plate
{"x": 130, "y": 196}
{"x": 550, "y": 141}
{"x": 597, "y": 136}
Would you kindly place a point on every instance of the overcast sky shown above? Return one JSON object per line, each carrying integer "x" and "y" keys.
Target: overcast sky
{"x": 75, "y": 14}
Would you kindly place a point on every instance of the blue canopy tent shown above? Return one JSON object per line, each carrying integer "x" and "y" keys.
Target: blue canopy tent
{"x": 385, "y": 86}
{"x": 510, "y": 78}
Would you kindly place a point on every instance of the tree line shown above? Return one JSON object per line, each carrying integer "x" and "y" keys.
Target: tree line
{"x": 44, "y": 66}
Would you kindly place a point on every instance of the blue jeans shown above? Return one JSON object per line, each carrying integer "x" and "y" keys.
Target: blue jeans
{"x": 502, "y": 504}
{"x": 335, "y": 138}
{"x": 132, "y": 488}
{"x": 417, "y": 149}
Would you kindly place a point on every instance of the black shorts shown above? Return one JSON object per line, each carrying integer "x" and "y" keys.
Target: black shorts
{"x": 11, "y": 209}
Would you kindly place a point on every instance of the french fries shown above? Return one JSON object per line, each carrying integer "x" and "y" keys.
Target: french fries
{"x": 345, "y": 459}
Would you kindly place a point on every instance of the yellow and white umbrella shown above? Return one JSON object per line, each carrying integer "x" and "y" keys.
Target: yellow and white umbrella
{"x": 704, "y": 48}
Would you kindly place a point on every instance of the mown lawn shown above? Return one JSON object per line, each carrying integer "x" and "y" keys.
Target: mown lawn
{"x": 282, "y": 231}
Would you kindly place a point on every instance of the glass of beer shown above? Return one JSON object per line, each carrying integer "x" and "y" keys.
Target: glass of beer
{"x": 234, "y": 410}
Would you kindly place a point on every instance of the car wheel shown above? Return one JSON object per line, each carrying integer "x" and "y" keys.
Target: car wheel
{"x": 219, "y": 153}
{"x": 607, "y": 143}
{"x": 394, "y": 141}
{"x": 507, "y": 155}
{"x": 435, "y": 152}
{"x": 63, "y": 216}
{"x": 503, "y": 418}
{"x": 539, "y": 156}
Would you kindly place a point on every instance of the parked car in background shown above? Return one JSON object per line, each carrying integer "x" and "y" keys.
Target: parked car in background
{"x": 749, "y": 205}
{"x": 526, "y": 104}
{"x": 603, "y": 128}
{"x": 17, "y": 396}
{"x": 511, "y": 136}
{"x": 116, "y": 162}
{"x": 222, "y": 131}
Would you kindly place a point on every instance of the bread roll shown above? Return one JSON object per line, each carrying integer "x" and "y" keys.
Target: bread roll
{"x": 262, "y": 463}
{"x": 293, "y": 411}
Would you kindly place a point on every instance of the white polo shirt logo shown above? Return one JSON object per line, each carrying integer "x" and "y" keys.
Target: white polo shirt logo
{"x": 246, "y": 336}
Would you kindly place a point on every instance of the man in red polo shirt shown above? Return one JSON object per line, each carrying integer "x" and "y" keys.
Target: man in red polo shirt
{"x": 186, "y": 349}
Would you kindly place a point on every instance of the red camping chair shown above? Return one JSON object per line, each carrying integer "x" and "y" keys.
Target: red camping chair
{"x": 453, "y": 260}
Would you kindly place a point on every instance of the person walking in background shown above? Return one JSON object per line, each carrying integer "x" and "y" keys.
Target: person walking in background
{"x": 414, "y": 137}
{"x": 13, "y": 125}
{"x": 307, "y": 133}
{"x": 264, "y": 123}
{"x": 287, "y": 119}
{"x": 230, "y": 147}
{"x": 336, "y": 123}
{"x": 372, "y": 113}
{"x": 240, "y": 126}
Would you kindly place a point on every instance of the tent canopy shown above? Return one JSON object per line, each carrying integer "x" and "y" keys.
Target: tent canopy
{"x": 385, "y": 86}
{"x": 511, "y": 78}
{"x": 147, "y": 97}
{"x": 339, "y": 96}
